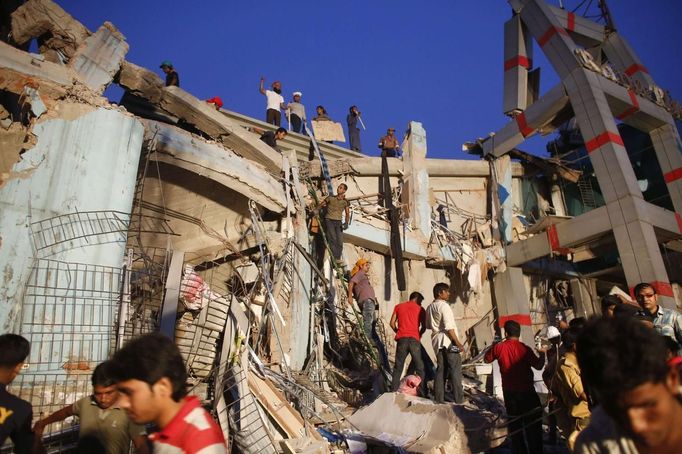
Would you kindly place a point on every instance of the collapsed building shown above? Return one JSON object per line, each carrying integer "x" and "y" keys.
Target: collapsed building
{"x": 163, "y": 213}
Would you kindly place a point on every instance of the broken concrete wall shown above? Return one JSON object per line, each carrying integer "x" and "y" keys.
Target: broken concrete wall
{"x": 84, "y": 160}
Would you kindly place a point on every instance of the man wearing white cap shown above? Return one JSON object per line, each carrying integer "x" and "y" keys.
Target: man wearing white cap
{"x": 296, "y": 113}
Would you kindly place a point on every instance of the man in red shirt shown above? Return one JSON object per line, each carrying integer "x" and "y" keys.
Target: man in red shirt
{"x": 408, "y": 322}
{"x": 152, "y": 382}
{"x": 522, "y": 402}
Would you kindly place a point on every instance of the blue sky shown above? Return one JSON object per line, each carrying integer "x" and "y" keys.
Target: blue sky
{"x": 438, "y": 62}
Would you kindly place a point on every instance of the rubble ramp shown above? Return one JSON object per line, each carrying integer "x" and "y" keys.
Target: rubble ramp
{"x": 421, "y": 426}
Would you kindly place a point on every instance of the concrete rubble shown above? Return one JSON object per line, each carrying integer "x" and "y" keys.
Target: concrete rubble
{"x": 161, "y": 213}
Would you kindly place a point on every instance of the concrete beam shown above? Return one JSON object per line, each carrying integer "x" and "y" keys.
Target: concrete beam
{"x": 99, "y": 58}
{"x": 182, "y": 149}
{"x": 585, "y": 32}
{"x": 20, "y": 67}
{"x": 375, "y": 235}
{"x": 631, "y": 108}
{"x": 539, "y": 114}
{"x": 36, "y": 18}
{"x": 564, "y": 235}
{"x": 371, "y": 167}
{"x": 199, "y": 114}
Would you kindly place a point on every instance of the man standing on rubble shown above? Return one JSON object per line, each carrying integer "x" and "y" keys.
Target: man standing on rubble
{"x": 360, "y": 288}
{"x": 172, "y": 76}
{"x": 667, "y": 322}
{"x": 445, "y": 339}
{"x": 389, "y": 145}
{"x": 275, "y": 102}
{"x": 297, "y": 118}
{"x": 409, "y": 323}
{"x": 522, "y": 402}
{"x": 353, "y": 131}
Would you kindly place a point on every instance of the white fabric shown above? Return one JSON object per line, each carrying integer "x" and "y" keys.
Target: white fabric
{"x": 275, "y": 100}
{"x": 440, "y": 319}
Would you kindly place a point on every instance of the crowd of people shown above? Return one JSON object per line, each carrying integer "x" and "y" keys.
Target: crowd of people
{"x": 295, "y": 113}
{"x": 613, "y": 380}
{"x": 143, "y": 386}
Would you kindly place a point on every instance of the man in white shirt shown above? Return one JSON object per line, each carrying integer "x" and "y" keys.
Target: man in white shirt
{"x": 445, "y": 340}
{"x": 275, "y": 102}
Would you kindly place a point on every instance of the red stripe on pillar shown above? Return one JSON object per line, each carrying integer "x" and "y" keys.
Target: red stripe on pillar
{"x": 551, "y": 31}
{"x": 519, "y": 60}
{"x": 673, "y": 175}
{"x": 553, "y": 238}
{"x": 603, "y": 139}
{"x": 524, "y": 129}
{"x": 663, "y": 288}
{"x": 631, "y": 110}
{"x": 571, "y": 22}
{"x": 636, "y": 67}
{"x": 521, "y": 319}
{"x": 679, "y": 221}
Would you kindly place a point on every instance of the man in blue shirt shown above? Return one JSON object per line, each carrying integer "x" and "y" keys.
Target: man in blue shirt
{"x": 668, "y": 322}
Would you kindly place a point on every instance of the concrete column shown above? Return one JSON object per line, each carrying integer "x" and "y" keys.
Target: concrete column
{"x": 518, "y": 60}
{"x": 513, "y": 302}
{"x": 666, "y": 141}
{"x": 416, "y": 178}
{"x": 635, "y": 237}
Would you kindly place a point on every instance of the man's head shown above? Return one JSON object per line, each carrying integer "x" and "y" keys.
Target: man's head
{"x": 321, "y": 110}
{"x": 342, "y": 189}
{"x": 512, "y": 329}
{"x": 417, "y": 297}
{"x": 390, "y": 131}
{"x": 353, "y": 109}
{"x": 166, "y": 66}
{"x": 14, "y": 350}
{"x": 608, "y": 303}
{"x": 104, "y": 388}
{"x": 570, "y": 337}
{"x": 645, "y": 294}
{"x": 624, "y": 364}
{"x": 280, "y": 133}
{"x": 441, "y": 291}
{"x": 297, "y": 96}
{"x": 277, "y": 87}
{"x": 150, "y": 376}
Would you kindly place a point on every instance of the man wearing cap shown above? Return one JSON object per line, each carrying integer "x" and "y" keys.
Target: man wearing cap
{"x": 172, "y": 76}
{"x": 389, "y": 144}
{"x": 275, "y": 102}
{"x": 296, "y": 113}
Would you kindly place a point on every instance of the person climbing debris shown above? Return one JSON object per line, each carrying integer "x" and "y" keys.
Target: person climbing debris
{"x": 172, "y": 76}
{"x": 334, "y": 223}
{"x": 361, "y": 289}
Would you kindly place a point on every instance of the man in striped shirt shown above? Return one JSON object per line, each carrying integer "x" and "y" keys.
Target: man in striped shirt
{"x": 152, "y": 382}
